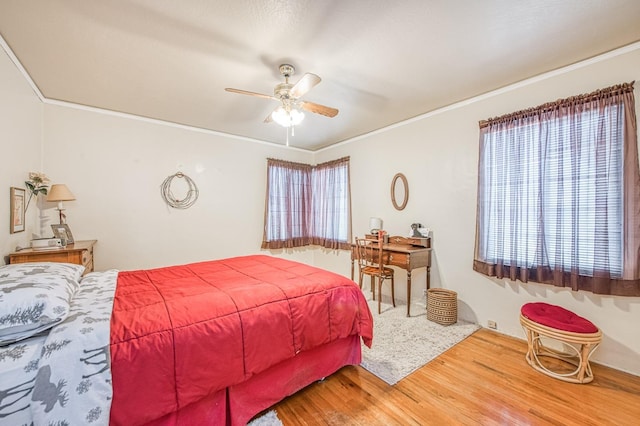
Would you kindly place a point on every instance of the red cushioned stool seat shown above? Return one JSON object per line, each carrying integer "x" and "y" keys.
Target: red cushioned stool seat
{"x": 557, "y": 317}
{"x": 579, "y": 336}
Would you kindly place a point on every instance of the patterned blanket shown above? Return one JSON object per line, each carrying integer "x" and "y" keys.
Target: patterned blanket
{"x": 63, "y": 377}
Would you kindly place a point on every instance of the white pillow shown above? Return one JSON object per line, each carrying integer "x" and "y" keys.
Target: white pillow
{"x": 35, "y": 297}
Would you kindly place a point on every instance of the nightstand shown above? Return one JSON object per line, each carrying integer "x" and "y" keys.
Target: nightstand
{"x": 80, "y": 253}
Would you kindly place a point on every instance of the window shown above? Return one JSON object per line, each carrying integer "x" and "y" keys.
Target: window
{"x": 558, "y": 192}
{"x": 307, "y": 204}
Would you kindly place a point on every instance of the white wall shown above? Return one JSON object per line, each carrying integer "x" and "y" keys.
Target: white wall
{"x": 115, "y": 167}
{"x": 439, "y": 155}
{"x": 20, "y": 147}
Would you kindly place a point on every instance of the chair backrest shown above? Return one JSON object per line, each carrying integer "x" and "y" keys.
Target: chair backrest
{"x": 379, "y": 253}
{"x": 365, "y": 252}
{"x": 369, "y": 252}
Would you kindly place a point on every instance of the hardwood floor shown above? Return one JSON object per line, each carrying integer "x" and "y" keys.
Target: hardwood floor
{"x": 484, "y": 380}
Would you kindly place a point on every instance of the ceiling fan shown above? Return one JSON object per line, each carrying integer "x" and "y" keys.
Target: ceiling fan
{"x": 288, "y": 113}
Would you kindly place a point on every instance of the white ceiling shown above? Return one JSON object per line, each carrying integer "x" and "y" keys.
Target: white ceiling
{"x": 381, "y": 61}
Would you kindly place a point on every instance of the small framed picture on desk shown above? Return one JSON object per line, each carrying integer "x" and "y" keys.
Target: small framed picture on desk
{"x": 63, "y": 232}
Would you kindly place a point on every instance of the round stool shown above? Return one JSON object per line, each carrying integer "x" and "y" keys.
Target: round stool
{"x": 578, "y": 334}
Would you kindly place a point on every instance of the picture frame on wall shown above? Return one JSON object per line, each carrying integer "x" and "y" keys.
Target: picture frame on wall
{"x": 63, "y": 232}
{"x": 17, "y": 200}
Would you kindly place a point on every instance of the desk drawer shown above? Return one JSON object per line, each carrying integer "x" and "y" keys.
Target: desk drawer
{"x": 421, "y": 242}
{"x": 411, "y": 241}
{"x": 397, "y": 259}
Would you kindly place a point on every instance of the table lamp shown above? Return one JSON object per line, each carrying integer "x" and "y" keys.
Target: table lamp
{"x": 60, "y": 193}
{"x": 375, "y": 224}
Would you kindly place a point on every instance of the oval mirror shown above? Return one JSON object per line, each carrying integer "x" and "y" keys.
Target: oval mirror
{"x": 399, "y": 191}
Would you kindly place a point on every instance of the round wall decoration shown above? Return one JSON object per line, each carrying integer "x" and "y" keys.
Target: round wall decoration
{"x": 179, "y": 203}
{"x": 399, "y": 190}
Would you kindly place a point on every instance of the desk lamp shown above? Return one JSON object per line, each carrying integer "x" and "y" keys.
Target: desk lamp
{"x": 60, "y": 193}
{"x": 375, "y": 224}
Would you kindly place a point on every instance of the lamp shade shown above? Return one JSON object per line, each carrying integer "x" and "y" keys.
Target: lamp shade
{"x": 375, "y": 224}
{"x": 60, "y": 192}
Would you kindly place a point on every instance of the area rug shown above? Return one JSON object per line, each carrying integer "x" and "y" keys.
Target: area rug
{"x": 402, "y": 344}
{"x": 268, "y": 419}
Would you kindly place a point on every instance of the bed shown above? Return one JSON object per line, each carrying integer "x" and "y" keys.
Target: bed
{"x": 206, "y": 343}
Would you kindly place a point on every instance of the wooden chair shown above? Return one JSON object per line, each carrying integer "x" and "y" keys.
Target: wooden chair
{"x": 370, "y": 262}
{"x": 365, "y": 259}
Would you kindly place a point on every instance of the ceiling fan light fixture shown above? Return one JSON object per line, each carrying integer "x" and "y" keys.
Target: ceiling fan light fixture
{"x": 286, "y": 118}
{"x": 296, "y": 116}
{"x": 289, "y": 114}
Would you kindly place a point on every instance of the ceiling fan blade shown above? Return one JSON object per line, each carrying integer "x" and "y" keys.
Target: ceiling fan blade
{"x": 269, "y": 119}
{"x": 245, "y": 92}
{"x": 319, "y": 109}
{"x": 303, "y": 85}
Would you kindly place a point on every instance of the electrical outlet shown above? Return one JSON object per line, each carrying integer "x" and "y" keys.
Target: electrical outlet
{"x": 424, "y": 292}
{"x": 492, "y": 324}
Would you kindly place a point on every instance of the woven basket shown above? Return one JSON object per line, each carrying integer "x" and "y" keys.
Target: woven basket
{"x": 442, "y": 306}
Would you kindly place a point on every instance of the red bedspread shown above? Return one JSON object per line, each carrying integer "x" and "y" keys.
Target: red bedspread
{"x": 181, "y": 333}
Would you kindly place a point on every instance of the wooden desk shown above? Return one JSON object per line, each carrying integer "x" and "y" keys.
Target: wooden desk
{"x": 80, "y": 253}
{"x": 401, "y": 253}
